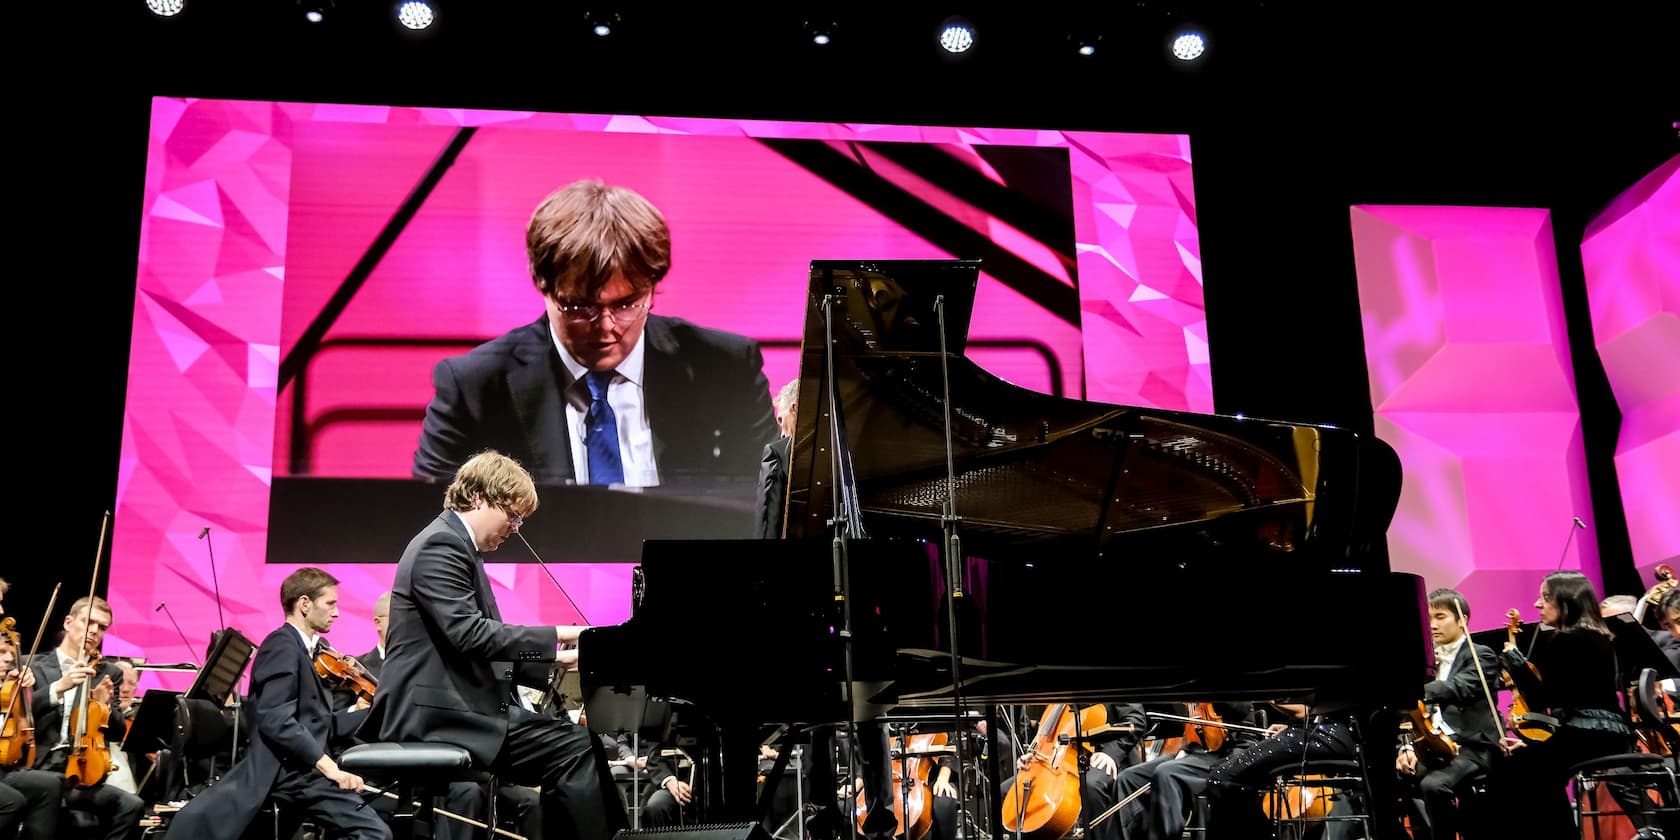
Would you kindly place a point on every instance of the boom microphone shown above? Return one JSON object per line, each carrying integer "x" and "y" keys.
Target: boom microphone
{"x": 184, "y": 643}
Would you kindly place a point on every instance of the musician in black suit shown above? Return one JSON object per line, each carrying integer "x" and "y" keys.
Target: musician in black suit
{"x": 65, "y": 679}
{"x": 599, "y": 390}
{"x": 439, "y": 682}
{"x": 773, "y": 467}
{"x": 1460, "y": 706}
{"x": 28, "y": 797}
{"x": 289, "y": 759}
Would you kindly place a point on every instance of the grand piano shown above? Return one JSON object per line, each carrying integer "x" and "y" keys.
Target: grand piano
{"x": 1107, "y": 552}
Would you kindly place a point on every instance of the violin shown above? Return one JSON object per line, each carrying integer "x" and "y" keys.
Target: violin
{"x": 17, "y": 731}
{"x": 344, "y": 671}
{"x": 1432, "y": 746}
{"x": 90, "y": 757}
{"x": 1204, "y": 729}
{"x": 1532, "y": 726}
{"x": 1043, "y": 802}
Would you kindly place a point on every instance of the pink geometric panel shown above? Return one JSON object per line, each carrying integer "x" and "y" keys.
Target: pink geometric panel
{"x": 1471, "y": 383}
{"x": 1631, "y": 255}
{"x": 253, "y": 211}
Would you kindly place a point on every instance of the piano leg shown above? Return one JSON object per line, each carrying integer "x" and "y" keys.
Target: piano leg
{"x": 738, "y": 754}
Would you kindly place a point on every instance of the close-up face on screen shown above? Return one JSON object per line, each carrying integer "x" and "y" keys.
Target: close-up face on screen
{"x": 337, "y": 305}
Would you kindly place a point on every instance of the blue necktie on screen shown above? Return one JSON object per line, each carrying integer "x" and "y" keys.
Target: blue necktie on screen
{"x": 600, "y": 438}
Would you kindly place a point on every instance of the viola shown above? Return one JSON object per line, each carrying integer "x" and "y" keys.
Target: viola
{"x": 1043, "y": 802}
{"x": 1531, "y": 725}
{"x": 17, "y": 731}
{"x": 344, "y": 671}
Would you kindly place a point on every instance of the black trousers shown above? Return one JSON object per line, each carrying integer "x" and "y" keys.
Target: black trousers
{"x": 579, "y": 799}
{"x": 517, "y": 805}
{"x": 1528, "y": 788}
{"x": 118, "y": 810}
{"x": 30, "y": 798}
{"x": 1234, "y": 787}
{"x": 1174, "y": 784}
{"x": 308, "y": 793}
{"x": 1440, "y": 789}
{"x": 877, "y": 777}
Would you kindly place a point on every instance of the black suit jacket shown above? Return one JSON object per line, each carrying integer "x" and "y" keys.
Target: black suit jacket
{"x": 708, "y": 404}
{"x": 49, "y": 716}
{"x": 439, "y": 681}
{"x": 772, "y": 487}
{"x": 295, "y": 723}
{"x": 1463, "y": 704}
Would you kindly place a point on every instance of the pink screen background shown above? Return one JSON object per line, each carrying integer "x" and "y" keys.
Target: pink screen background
{"x": 255, "y": 212}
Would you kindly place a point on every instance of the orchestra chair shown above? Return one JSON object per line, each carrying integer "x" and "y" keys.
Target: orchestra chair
{"x": 417, "y": 771}
{"x": 1648, "y": 772}
{"x": 1333, "y": 781}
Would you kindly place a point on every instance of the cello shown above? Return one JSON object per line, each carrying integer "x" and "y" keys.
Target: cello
{"x": 912, "y": 794}
{"x": 1531, "y": 725}
{"x": 1043, "y": 802}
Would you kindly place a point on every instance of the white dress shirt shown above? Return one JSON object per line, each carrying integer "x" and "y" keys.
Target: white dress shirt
{"x": 629, "y": 405}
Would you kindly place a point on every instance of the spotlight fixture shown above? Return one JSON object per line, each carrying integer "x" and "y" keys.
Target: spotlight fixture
{"x": 956, "y": 35}
{"x": 166, "y": 8}
{"x": 821, "y": 33}
{"x": 315, "y": 11}
{"x": 415, "y": 14}
{"x": 1085, "y": 44}
{"x": 603, "y": 23}
{"x": 1189, "y": 44}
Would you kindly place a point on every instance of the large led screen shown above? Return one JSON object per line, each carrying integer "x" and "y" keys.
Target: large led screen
{"x": 303, "y": 268}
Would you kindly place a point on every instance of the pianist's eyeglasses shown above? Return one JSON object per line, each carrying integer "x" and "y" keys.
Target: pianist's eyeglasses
{"x": 623, "y": 314}
{"x": 514, "y": 519}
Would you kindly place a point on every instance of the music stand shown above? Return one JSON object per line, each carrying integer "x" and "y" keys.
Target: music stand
{"x": 1495, "y": 639}
{"x": 1636, "y": 650}
{"x": 230, "y": 652}
{"x": 154, "y": 723}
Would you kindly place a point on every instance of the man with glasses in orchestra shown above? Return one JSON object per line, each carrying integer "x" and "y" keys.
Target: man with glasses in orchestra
{"x": 600, "y": 390}
{"x": 441, "y": 681}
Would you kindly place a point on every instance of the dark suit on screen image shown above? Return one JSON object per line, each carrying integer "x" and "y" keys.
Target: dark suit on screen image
{"x": 708, "y": 404}
{"x": 440, "y": 683}
{"x": 295, "y": 725}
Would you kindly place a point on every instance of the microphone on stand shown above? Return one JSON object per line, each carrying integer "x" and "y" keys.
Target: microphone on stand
{"x": 209, "y": 545}
{"x": 1570, "y": 541}
{"x": 188, "y": 645}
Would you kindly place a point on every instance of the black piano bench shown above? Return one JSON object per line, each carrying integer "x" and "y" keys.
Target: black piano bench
{"x": 417, "y": 772}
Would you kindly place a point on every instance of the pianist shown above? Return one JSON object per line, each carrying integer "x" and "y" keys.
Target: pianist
{"x": 444, "y": 632}
{"x": 599, "y": 390}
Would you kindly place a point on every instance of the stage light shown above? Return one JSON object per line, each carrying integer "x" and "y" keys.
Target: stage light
{"x": 602, "y": 23}
{"x": 956, "y": 35}
{"x": 1085, "y": 45}
{"x": 1189, "y": 45}
{"x": 821, "y": 33}
{"x": 415, "y": 14}
{"x": 315, "y": 11}
{"x": 166, "y": 8}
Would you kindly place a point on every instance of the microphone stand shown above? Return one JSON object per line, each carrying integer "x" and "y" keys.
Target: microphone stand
{"x": 184, "y": 643}
{"x": 953, "y": 564}
{"x": 846, "y": 523}
{"x": 210, "y": 547}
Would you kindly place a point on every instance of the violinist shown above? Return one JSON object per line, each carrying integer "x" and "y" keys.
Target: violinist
{"x": 288, "y": 760}
{"x": 1461, "y": 708}
{"x": 344, "y": 697}
{"x": 28, "y": 797}
{"x": 1578, "y": 683}
{"x": 62, "y": 675}
{"x": 1176, "y": 779}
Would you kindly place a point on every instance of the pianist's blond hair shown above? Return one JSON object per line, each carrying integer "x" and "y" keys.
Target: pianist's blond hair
{"x": 499, "y": 480}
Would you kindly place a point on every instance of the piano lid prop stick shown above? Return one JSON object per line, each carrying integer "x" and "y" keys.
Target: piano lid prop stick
{"x": 442, "y": 813}
{"x": 581, "y": 618}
